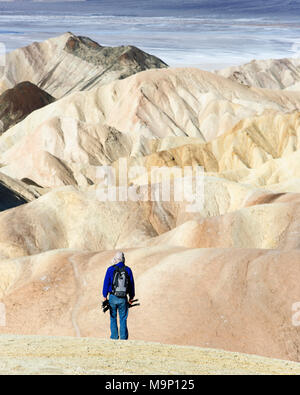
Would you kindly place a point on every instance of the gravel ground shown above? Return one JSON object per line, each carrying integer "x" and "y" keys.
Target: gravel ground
{"x": 67, "y": 355}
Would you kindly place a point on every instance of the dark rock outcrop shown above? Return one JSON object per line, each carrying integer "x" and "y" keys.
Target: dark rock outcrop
{"x": 17, "y": 103}
{"x": 14, "y": 193}
{"x": 113, "y": 58}
{"x": 9, "y": 198}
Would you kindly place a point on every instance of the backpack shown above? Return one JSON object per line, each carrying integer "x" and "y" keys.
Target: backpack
{"x": 120, "y": 282}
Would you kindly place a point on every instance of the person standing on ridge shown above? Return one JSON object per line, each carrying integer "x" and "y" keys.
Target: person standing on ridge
{"x": 118, "y": 283}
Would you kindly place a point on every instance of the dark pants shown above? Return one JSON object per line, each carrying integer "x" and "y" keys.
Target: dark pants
{"x": 121, "y": 305}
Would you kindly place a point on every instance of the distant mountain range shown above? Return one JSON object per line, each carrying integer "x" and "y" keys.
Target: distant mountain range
{"x": 215, "y": 7}
{"x": 190, "y": 7}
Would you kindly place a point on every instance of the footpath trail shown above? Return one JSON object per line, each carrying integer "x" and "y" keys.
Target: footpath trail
{"x": 69, "y": 355}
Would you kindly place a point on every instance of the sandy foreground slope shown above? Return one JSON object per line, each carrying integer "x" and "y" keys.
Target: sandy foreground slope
{"x": 68, "y": 355}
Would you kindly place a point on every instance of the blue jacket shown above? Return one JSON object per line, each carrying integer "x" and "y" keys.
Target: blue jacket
{"x": 107, "y": 285}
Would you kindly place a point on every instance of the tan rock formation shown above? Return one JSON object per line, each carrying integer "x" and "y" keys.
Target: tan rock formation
{"x": 64, "y": 140}
{"x": 270, "y": 74}
{"x": 68, "y": 63}
{"x": 232, "y": 216}
{"x": 54, "y": 220}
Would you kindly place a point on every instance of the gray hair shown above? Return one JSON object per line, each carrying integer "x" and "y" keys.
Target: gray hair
{"x": 119, "y": 257}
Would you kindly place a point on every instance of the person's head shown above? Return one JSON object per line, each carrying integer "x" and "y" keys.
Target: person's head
{"x": 119, "y": 257}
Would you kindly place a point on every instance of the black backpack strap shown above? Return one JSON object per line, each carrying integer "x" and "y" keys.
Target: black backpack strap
{"x": 126, "y": 276}
{"x": 115, "y": 277}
